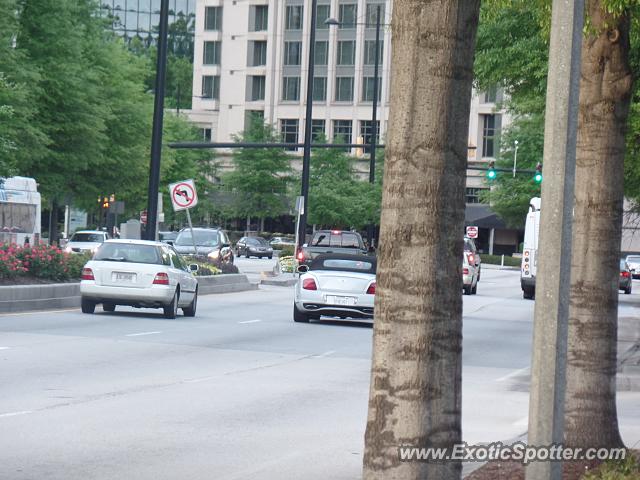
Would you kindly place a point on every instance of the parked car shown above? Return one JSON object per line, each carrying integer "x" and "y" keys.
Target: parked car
{"x": 470, "y": 275}
{"x": 336, "y": 285}
{"x": 254, "y": 247}
{"x": 625, "y": 277}
{"x": 139, "y": 273}
{"x": 211, "y": 242}
{"x": 279, "y": 242}
{"x": 331, "y": 241}
{"x": 634, "y": 265}
{"x": 472, "y": 254}
{"x": 167, "y": 237}
{"x": 86, "y": 241}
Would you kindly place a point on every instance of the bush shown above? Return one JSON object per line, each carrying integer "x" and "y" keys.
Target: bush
{"x": 206, "y": 266}
{"x": 287, "y": 251}
{"x": 287, "y": 264}
{"x": 497, "y": 259}
{"x": 42, "y": 261}
{"x": 627, "y": 469}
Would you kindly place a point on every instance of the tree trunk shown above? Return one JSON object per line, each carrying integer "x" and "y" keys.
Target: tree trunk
{"x": 53, "y": 223}
{"x": 416, "y": 372}
{"x": 248, "y": 224}
{"x": 605, "y": 93}
{"x": 261, "y": 224}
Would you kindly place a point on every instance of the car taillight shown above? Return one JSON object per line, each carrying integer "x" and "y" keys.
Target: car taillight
{"x": 87, "y": 274}
{"x": 372, "y": 289}
{"x": 309, "y": 284}
{"x": 161, "y": 279}
{"x": 471, "y": 259}
{"x": 624, "y": 274}
{"x": 465, "y": 271}
{"x": 301, "y": 256}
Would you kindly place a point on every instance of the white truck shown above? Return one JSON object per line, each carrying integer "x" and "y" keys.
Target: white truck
{"x": 20, "y": 210}
{"x": 530, "y": 250}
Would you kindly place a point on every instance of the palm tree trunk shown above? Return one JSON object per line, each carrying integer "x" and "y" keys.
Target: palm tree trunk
{"x": 605, "y": 93}
{"x": 416, "y": 368}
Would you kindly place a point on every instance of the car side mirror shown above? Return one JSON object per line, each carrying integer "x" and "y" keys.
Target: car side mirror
{"x": 302, "y": 268}
{"x": 226, "y": 245}
{"x": 194, "y": 267}
{"x": 170, "y": 242}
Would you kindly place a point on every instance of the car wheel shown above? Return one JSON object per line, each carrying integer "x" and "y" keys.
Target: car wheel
{"x": 474, "y": 290}
{"x": 528, "y": 293}
{"x": 87, "y": 305}
{"x": 467, "y": 290}
{"x": 171, "y": 310}
{"x": 109, "y": 307}
{"x": 270, "y": 257}
{"x": 628, "y": 290}
{"x": 190, "y": 311}
{"x": 299, "y": 316}
{"x": 479, "y": 269}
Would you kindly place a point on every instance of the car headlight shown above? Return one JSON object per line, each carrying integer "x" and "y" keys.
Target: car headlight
{"x": 214, "y": 254}
{"x": 67, "y": 249}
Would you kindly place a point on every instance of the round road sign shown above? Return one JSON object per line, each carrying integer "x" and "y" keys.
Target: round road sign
{"x": 183, "y": 195}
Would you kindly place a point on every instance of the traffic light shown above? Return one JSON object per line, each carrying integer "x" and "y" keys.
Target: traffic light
{"x": 491, "y": 170}
{"x": 538, "y": 176}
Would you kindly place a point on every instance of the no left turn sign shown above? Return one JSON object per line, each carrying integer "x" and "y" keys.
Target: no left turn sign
{"x": 183, "y": 195}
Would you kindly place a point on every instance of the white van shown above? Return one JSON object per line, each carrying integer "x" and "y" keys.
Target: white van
{"x": 529, "y": 253}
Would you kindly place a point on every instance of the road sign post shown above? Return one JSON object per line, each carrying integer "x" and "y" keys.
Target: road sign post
{"x": 183, "y": 197}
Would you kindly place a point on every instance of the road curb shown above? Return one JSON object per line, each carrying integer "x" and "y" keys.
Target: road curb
{"x": 24, "y": 298}
{"x": 282, "y": 280}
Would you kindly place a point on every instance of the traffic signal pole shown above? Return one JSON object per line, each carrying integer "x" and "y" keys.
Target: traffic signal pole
{"x": 156, "y": 134}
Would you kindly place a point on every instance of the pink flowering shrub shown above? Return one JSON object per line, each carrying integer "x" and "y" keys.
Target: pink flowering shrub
{"x": 43, "y": 261}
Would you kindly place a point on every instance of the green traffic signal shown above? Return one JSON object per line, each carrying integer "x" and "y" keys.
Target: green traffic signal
{"x": 538, "y": 176}
{"x": 491, "y": 174}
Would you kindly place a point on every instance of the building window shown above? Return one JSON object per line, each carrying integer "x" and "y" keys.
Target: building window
{"x": 317, "y": 130}
{"x": 367, "y": 89}
{"x": 491, "y": 95}
{"x": 206, "y": 134}
{"x": 211, "y": 53}
{"x": 490, "y": 133}
{"x": 260, "y": 18}
{"x": 292, "y": 53}
{"x": 472, "y": 195}
{"x": 257, "y": 87}
{"x": 259, "y": 57}
{"x": 371, "y": 14}
{"x": 289, "y": 131}
{"x": 212, "y": 18}
{"x": 211, "y": 87}
{"x": 293, "y": 19}
{"x": 347, "y": 15}
{"x": 344, "y": 89}
{"x": 342, "y": 131}
{"x": 290, "y": 89}
{"x": 319, "y": 89}
{"x": 321, "y": 52}
{"x": 346, "y": 52}
{"x": 322, "y": 14}
{"x": 370, "y": 52}
{"x": 366, "y": 131}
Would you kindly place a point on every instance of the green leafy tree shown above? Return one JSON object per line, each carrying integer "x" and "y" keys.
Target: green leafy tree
{"x": 261, "y": 176}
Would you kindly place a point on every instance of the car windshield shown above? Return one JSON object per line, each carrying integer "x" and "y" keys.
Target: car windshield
{"x": 204, "y": 238}
{"x": 348, "y": 264}
{"x": 87, "y": 237}
{"x": 128, "y": 252}
{"x": 344, "y": 240}
{"x": 634, "y": 259}
{"x": 257, "y": 241}
{"x": 623, "y": 265}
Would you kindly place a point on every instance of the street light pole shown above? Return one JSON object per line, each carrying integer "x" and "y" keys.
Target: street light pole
{"x": 515, "y": 158}
{"x": 156, "y": 134}
{"x": 374, "y": 116}
{"x": 306, "y": 156}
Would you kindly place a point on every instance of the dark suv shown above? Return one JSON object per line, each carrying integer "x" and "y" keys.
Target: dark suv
{"x": 211, "y": 242}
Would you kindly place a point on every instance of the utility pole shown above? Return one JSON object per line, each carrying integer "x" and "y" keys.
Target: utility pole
{"x": 374, "y": 116}
{"x": 156, "y": 134}
{"x": 548, "y": 368}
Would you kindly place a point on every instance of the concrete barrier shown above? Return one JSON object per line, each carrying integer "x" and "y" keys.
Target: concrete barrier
{"x": 22, "y": 298}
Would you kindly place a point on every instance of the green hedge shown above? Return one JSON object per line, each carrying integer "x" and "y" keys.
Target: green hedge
{"x": 497, "y": 259}
{"x": 41, "y": 261}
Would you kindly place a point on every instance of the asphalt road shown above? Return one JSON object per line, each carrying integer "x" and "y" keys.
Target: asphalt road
{"x": 238, "y": 392}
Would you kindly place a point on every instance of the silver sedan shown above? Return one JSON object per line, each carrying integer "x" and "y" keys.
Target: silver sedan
{"x": 336, "y": 285}
{"x": 140, "y": 274}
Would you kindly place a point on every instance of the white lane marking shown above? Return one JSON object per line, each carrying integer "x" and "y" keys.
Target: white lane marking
{"x": 4, "y": 348}
{"x": 515, "y": 373}
{"x": 325, "y": 354}
{"x": 140, "y": 334}
{"x": 251, "y": 321}
{"x": 14, "y": 414}
{"x": 523, "y": 422}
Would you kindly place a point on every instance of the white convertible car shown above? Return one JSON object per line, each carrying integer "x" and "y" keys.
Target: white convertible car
{"x": 335, "y": 285}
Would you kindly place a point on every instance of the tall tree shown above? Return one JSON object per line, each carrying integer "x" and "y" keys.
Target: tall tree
{"x": 261, "y": 176}
{"x": 605, "y": 94}
{"x": 416, "y": 373}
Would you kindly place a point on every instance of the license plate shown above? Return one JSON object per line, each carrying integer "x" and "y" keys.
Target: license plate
{"x": 338, "y": 300}
{"x": 123, "y": 277}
